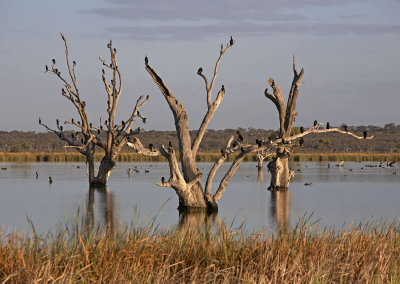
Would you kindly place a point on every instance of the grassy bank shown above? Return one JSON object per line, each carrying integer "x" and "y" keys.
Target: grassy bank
{"x": 201, "y": 157}
{"x": 363, "y": 254}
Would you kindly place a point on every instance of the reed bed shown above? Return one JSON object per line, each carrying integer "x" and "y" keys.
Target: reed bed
{"x": 201, "y": 157}
{"x": 360, "y": 254}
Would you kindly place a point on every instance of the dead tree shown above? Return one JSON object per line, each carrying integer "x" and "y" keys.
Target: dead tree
{"x": 279, "y": 166}
{"x": 187, "y": 184}
{"x": 109, "y": 135}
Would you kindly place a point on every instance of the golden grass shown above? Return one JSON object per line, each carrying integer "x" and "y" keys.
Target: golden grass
{"x": 362, "y": 254}
{"x": 26, "y": 157}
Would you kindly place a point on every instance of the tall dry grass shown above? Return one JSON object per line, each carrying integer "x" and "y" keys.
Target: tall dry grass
{"x": 200, "y": 157}
{"x": 362, "y": 254}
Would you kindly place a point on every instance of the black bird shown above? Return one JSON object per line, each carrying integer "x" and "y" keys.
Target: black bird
{"x": 301, "y": 129}
{"x": 240, "y": 137}
{"x": 346, "y": 128}
{"x": 50, "y": 180}
{"x": 222, "y": 152}
{"x": 47, "y": 68}
{"x": 146, "y": 60}
{"x": 200, "y": 71}
{"x": 101, "y": 127}
{"x": 258, "y": 142}
{"x": 79, "y": 123}
{"x": 301, "y": 141}
{"x": 151, "y": 147}
{"x": 108, "y": 45}
{"x": 123, "y": 123}
{"x": 315, "y": 123}
{"x": 131, "y": 131}
{"x": 102, "y": 70}
{"x": 234, "y": 144}
{"x": 56, "y": 70}
{"x": 61, "y": 128}
{"x": 162, "y": 180}
{"x": 223, "y": 88}
{"x": 98, "y": 131}
{"x": 365, "y": 134}
{"x": 40, "y": 121}
{"x": 82, "y": 140}
{"x": 105, "y": 122}
{"x": 72, "y": 135}
{"x": 231, "y": 41}
{"x": 73, "y": 62}
{"x": 90, "y": 124}
{"x": 170, "y": 144}
{"x": 138, "y": 129}
{"x": 37, "y": 175}
{"x": 328, "y": 125}
{"x": 115, "y": 51}
{"x": 54, "y": 61}
{"x": 144, "y": 120}
{"x": 72, "y": 120}
{"x": 112, "y": 82}
{"x": 242, "y": 149}
{"x": 147, "y": 97}
{"x": 57, "y": 121}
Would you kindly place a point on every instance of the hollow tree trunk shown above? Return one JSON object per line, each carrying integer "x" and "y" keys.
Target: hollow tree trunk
{"x": 106, "y": 166}
{"x": 280, "y": 172}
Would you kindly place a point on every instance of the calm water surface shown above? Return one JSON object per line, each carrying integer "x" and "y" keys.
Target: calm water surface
{"x": 337, "y": 196}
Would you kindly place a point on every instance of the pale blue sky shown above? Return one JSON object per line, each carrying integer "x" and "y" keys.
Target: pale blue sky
{"x": 349, "y": 50}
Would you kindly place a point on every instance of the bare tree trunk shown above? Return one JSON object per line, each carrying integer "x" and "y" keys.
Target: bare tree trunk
{"x": 106, "y": 166}
{"x": 280, "y": 172}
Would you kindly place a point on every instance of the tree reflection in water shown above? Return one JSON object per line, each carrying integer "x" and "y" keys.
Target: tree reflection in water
{"x": 260, "y": 176}
{"x": 280, "y": 210}
{"x": 199, "y": 222}
{"x": 105, "y": 206}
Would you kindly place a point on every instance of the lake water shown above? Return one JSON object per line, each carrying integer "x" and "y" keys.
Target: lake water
{"x": 338, "y": 196}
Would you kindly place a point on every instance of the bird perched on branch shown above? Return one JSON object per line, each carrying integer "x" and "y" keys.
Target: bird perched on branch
{"x": 200, "y": 71}
{"x": 240, "y": 137}
{"x": 328, "y": 125}
{"x": 151, "y": 147}
{"x": 301, "y": 129}
{"x": 162, "y": 180}
{"x": 301, "y": 142}
{"x": 170, "y": 144}
{"x": 346, "y": 128}
{"x": 231, "y": 42}
{"x": 258, "y": 142}
{"x": 315, "y": 123}
{"x": 365, "y": 134}
{"x": 146, "y": 60}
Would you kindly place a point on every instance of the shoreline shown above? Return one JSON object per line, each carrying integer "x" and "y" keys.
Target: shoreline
{"x": 26, "y": 157}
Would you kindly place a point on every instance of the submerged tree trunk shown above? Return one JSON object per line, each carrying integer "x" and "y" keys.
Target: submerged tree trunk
{"x": 106, "y": 166}
{"x": 280, "y": 172}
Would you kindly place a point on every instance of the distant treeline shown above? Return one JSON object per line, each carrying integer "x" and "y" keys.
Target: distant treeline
{"x": 386, "y": 140}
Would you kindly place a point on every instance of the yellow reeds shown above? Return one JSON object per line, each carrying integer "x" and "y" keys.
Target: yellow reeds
{"x": 360, "y": 254}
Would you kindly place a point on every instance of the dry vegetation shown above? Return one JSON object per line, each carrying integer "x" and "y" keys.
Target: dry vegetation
{"x": 360, "y": 254}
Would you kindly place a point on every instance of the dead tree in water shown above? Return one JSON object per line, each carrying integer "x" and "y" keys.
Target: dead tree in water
{"x": 109, "y": 135}
{"x": 187, "y": 184}
{"x": 279, "y": 166}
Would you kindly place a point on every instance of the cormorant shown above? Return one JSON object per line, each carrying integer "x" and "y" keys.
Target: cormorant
{"x": 123, "y": 123}
{"x": 138, "y": 129}
{"x": 108, "y": 45}
{"x": 72, "y": 120}
{"x": 346, "y": 128}
{"x": 144, "y": 120}
{"x": 146, "y": 60}
{"x": 162, "y": 180}
{"x": 82, "y": 140}
{"x": 301, "y": 129}
{"x": 112, "y": 82}
{"x": 57, "y": 121}
{"x": 54, "y": 61}
{"x": 315, "y": 123}
{"x": 79, "y": 123}
{"x": 101, "y": 127}
{"x": 170, "y": 144}
{"x": 151, "y": 147}
{"x": 47, "y": 68}
{"x": 50, "y": 180}
{"x": 231, "y": 41}
{"x": 131, "y": 131}
{"x": 365, "y": 134}
{"x": 37, "y": 175}
{"x": 105, "y": 122}
{"x": 98, "y": 131}
{"x": 234, "y": 144}
{"x": 90, "y": 124}
{"x": 242, "y": 149}
{"x": 301, "y": 142}
{"x": 223, "y": 88}
{"x": 73, "y": 62}
{"x": 240, "y": 137}
{"x": 200, "y": 71}
{"x": 56, "y": 70}
{"x": 223, "y": 152}
{"x": 258, "y": 142}
{"x": 40, "y": 121}
{"x": 328, "y": 125}
{"x": 115, "y": 50}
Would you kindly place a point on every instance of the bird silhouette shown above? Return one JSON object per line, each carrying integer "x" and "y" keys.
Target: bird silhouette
{"x": 315, "y": 123}
{"x": 365, "y": 134}
{"x": 301, "y": 129}
{"x": 146, "y": 60}
{"x": 301, "y": 141}
{"x": 231, "y": 42}
{"x": 50, "y": 180}
{"x": 200, "y": 71}
{"x": 240, "y": 137}
{"x": 328, "y": 125}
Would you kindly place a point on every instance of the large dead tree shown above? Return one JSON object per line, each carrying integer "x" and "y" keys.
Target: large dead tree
{"x": 108, "y": 135}
{"x": 279, "y": 166}
{"x": 187, "y": 183}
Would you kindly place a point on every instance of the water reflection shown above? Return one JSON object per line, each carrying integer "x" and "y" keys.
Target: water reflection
{"x": 260, "y": 176}
{"x": 280, "y": 210}
{"x": 105, "y": 206}
{"x": 199, "y": 221}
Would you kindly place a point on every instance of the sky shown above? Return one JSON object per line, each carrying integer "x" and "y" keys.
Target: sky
{"x": 349, "y": 51}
